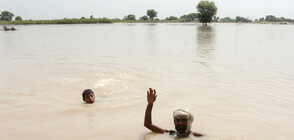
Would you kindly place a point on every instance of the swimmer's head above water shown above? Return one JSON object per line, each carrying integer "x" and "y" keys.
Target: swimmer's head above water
{"x": 183, "y": 122}
{"x": 88, "y": 96}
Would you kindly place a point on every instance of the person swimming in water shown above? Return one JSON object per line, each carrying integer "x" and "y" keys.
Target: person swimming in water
{"x": 182, "y": 119}
{"x": 88, "y": 96}
{"x": 5, "y": 28}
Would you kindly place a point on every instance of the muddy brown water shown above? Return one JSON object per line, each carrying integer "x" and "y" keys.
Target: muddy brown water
{"x": 236, "y": 79}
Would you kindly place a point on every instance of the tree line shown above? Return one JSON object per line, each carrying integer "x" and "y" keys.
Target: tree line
{"x": 206, "y": 11}
{"x": 268, "y": 18}
{"x": 7, "y": 16}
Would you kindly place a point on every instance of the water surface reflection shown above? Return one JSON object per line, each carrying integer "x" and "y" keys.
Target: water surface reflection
{"x": 205, "y": 41}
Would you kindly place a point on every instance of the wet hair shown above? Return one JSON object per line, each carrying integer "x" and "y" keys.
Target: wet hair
{"x": 87, "y": 91}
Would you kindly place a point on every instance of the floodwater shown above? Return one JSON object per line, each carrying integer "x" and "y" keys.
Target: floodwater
{"x": 236, "y": 79}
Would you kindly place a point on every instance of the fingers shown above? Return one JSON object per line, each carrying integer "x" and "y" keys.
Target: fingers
{"x": 151, "y": 95}
{"x": 151, "y": 91}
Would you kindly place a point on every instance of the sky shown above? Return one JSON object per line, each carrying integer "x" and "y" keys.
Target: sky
{"x": 59, "y": 9}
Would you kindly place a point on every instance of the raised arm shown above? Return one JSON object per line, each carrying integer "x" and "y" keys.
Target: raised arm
{"x": 151, "y": 97}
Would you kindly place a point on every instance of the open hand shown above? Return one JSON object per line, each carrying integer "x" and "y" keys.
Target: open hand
{"x": 151, "y": 96}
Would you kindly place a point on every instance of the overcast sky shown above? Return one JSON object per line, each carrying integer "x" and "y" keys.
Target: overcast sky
{"x": 57, "y": 9}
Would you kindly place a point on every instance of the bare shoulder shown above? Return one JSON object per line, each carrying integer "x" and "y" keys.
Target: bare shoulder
{"x": 196, "y": 134}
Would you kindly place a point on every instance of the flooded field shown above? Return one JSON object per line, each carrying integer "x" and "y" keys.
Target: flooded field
{"x": 236, "y": 79}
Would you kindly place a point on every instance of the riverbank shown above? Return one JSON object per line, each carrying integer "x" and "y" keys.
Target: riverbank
{"x": 57, "y": 21}
{"x": 80, "y": 21}
{"x": 105, "y": 20}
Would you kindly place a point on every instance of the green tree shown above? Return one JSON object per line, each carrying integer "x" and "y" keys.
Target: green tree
{"x": 151, "y": 13}
{"x": 242, "y": 19}
{"x": 227, "y": 19}
{"x": 18, "y": 18}
{"x": 184, "y": 18}
{"x": 171, "y": 18}
{"x": 130, "y": 17}
{"x": 188, "y": 18}
{"x": 6, "y": 15}
{"x": 91, "y": 17}
{"x": 206, "y": 11}
{"x": 271, "y": 18}
{"x": 143, "y": 18}
{"x": 192, "y": 16}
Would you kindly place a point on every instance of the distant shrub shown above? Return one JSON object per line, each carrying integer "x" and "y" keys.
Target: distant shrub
{"x": 18, "y": 18}
{"x": 144, "y": 18}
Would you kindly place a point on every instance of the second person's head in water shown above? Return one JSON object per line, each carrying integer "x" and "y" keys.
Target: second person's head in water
{"x": 183, "y": 122}
{"x": 88, "y": 96}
